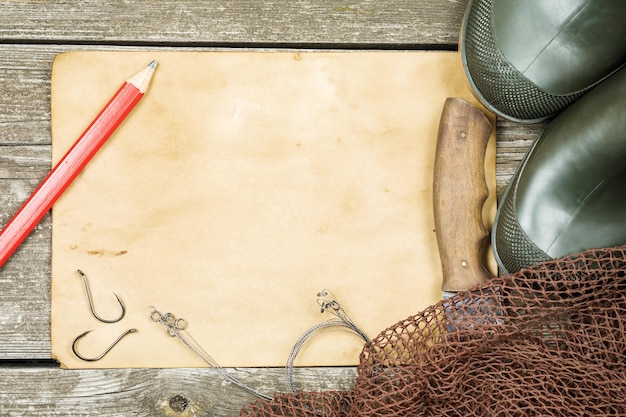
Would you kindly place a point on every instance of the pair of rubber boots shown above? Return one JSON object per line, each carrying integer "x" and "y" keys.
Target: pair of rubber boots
{"x": 564, "y": 60}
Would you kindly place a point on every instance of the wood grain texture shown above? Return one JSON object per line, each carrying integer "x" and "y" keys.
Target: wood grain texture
{"x": 31, "y": 34}
{"x": 396, "y": 24}
{"x": 46, "y": 391}
{"x": 459, "y": 194}
{"x": 25, "y": 99}
{"x": 512, "y": 143}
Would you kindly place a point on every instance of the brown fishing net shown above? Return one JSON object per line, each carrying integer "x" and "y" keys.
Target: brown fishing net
{"x": 546, "y": 341}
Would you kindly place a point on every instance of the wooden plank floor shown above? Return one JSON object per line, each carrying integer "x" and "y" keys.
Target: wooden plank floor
{"x": 31, "y": 34}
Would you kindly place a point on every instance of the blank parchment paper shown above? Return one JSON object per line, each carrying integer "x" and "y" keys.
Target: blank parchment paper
{"x": 240, "y": 186}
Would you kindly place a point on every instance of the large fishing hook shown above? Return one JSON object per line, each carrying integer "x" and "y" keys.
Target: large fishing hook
{"x": 93, "y": 310}
{"x": 100, "y": 356}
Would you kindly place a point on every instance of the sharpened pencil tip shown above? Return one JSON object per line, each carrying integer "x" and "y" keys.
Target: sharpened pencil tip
{"x": 141, "y": 80}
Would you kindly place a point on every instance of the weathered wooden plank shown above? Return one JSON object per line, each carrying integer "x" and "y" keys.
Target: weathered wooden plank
{"x": 25, "y": 99}
{"x": 24, "y": 162}
{"x": 397, "y": 24}
{"x": 25, "y": 278}
{"x": 25, "y": 283}
{"x": 512, "y": 142}
{"x": 46, "y": 391}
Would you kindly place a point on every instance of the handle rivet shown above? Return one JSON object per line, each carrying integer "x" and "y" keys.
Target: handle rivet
{"x": 464, "y": 263}
{"x": 463, "y": 134}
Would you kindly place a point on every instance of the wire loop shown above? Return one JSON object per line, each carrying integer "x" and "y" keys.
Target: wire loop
{"x": 176, "y": 327}
{"x": 328, "y": 303}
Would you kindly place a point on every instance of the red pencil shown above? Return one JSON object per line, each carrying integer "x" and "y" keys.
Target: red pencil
{"x": 68, "y": 168}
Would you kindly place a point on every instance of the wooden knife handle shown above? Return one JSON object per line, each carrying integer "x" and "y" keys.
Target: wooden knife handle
{"x": 459, "y": 193}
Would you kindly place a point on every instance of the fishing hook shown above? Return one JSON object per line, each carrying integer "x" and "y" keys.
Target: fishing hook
{"x": 97, "y": 358}
{"x": 93, "y": 311}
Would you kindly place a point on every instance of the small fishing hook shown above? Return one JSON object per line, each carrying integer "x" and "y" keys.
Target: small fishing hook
{"x": 97, "y": 358}
{"x": 93, "y": 311}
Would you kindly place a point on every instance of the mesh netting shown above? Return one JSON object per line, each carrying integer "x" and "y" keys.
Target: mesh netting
{"x": 548, "y": 340}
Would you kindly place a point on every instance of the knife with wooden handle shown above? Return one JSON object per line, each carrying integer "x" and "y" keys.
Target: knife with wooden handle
{"x": 459, "y": 193}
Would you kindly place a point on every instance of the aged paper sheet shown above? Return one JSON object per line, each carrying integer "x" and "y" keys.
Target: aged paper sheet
{"x": 241, "y": 185}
